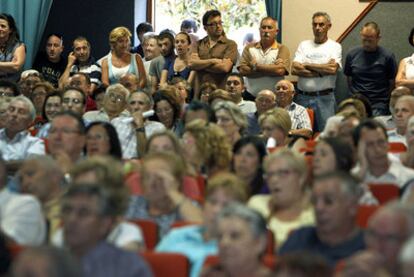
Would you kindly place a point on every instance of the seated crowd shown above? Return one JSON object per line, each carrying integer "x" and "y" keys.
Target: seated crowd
{"x": 178, "y": 146}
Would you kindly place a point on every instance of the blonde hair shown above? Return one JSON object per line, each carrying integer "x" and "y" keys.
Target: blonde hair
{"x": 295, "y": 160}
{"x": 278, "y": 117}
{"x": 211, "y": 142}
{"x": 230, "y": 183}
{"x": 117, "y": 33}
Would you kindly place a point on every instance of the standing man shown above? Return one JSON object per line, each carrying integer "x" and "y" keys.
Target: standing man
{"x": 51, "y": 64}
{"x": 80, "y": 60}
{"x": 266, "y": 62}
{"x": 215, "y": 55}
{"x": 371, "y": 69}
{"x": 316, "y": 63}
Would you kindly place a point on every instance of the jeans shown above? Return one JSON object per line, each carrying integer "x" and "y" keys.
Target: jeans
{"x": 323, "y": 107}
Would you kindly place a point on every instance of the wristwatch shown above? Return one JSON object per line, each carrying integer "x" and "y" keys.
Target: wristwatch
{"x": 140, "y": 129}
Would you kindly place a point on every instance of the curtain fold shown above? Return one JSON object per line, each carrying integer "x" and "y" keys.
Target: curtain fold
{"x": 274, "y": 9}
{"x": 31, "y": 17}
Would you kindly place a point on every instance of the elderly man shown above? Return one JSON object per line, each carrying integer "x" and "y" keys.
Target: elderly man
{"x": 371, "y": 69}
{"x": 88, "y": 214}
{"x": 235, "y": 88}
{"x": 336, "y": 235}
{"x": 374, "y": 165}
{"x": 301, "y": 123}
{"x": 80, "y": 60}
{"x": 132, "y": 132}
{"x": 21, "y": 218}
{"x": 266, "y": 62}
{"x": 42, "y": 178}
{"x": 388, "y": 120}
{"x": 216, "y": 54}
{"x": 114, "y": 105}
{"x": 316, "y": 63}
{"x": 16, "y": 143}
{"x": 265, "y": 100}
{"x": 51, "y": 64}
{"x": 403, "y": 110}
{"x": 387, "y": 231}
{"x": 66, "y": 139}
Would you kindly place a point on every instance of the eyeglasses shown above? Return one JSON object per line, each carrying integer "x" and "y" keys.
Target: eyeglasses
{"x": 281, "y": 173}
{"x": 66, "y": 131}
{"x": 115, "y": 97}
{"x": 6, "y": 93}
{"x": 75, "y": 101}
{"x": 215, "y": 24}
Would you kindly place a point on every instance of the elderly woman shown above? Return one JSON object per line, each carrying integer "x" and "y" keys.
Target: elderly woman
{"x": 242, "y": 238}
{"x": 405, "y": 75}
{"x": 231, "y": 119}
{"x": 276, "y": 125}
{"x": 288, "y": 205}
{"x": 114, "y": 105}
{"x": 206, "y": 149}
{"x": 12, "y": 50}
{"x": 198, "y": 241}
{"x": 120, "y": 61}
{"x": 162, "y": 200}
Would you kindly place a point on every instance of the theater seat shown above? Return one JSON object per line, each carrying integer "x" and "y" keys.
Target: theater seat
{"x": 364, "y": 213}
{"x": 311, "y": 114}
{"x": 167, "y": 264}
{"x": 268, "y": 260}
{"x": 149, "y": 230}
{"x": 385, "y": 192}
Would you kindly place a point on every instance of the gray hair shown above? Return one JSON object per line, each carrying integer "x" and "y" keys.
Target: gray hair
{"x": 235, "y": 112}
{"x": 149, "y": 97}
{"x": 349, "y": 184}
{"x": 324, "y": 14}
{"x": 29, "y": 104}
{"x": 149, "y": 35}
{"x": 118, "y": 88}
{"x": 255, "y": 220}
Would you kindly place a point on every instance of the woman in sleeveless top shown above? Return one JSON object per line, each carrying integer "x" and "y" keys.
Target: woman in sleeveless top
{"x": 12, "y": 51}
{"x": 178, "y": 67}
{"x": 120, "y": 61}
{"x": 405, "y": 75}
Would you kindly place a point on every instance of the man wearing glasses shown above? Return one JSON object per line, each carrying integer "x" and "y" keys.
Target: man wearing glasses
{"x": 215, "y": 54}
{"x": 114, "y": 105}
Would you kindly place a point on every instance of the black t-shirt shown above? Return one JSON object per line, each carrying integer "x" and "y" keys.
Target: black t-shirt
{"x": 50, "y": 71}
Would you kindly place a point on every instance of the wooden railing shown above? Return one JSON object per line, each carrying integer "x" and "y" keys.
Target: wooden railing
{"x": 357, "y": 20}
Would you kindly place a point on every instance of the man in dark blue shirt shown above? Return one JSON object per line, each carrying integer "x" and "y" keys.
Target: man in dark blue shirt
{"x": 371, "y": 70}
{"x": 335, "y": 199}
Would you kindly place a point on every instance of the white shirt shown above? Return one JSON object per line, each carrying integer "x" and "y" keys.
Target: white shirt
{"x": 394, "y": 136}
{"x": 127, "y": 135}
{"x": 22, "y": 146}
{"x": 247, "y": 106}
{"x": 311, "y": 52}
{"x": 409, "y": 67}
{"x": 21, "y": 218}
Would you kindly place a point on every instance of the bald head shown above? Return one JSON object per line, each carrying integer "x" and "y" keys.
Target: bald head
{"x": 403, "y": 111}
{"x": 285, "y": 91}
{"x": 387, "y": 231}
{"x": 265, "y": 100}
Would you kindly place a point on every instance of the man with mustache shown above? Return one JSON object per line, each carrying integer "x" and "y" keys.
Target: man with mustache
{"x": 266, "y": 62}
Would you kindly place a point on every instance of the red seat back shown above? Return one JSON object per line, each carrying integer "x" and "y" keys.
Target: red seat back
{"x": 385, "y": 192}
{"x": 167, "y": 264}
{"x": 149, "y": 230}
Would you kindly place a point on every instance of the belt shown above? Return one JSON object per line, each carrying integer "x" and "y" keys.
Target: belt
{"x": 316, "y": 93}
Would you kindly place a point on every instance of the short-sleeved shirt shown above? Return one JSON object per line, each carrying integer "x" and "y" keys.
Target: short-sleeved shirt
{"x": 306, "y": 238}
{"x": 50, "y": 71}
{"x": 91, "y": 68}
{"x": 371, "y": 73}
{"x": 310, "y": 52}
{"x": 255, "y": 51}
{"x": 223, "y": 49}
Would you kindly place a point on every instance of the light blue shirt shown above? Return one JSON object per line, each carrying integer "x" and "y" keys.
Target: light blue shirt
{"x": 190, "y": 242}
{"x": 22, "y": 146}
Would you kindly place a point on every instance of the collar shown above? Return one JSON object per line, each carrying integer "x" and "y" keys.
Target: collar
{"x": 275, "y": 45}
{"x": 291, "y": 107}
{"x": 17, "y": 137}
